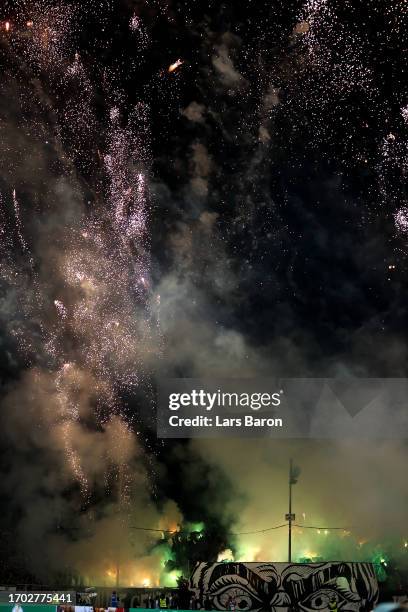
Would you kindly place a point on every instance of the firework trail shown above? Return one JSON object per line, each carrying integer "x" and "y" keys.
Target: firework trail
{"x": 18, "y": 222}
{"x": 91, "y": 299}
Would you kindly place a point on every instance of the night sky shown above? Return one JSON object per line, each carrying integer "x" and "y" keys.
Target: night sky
{"x": 193, "y": 189}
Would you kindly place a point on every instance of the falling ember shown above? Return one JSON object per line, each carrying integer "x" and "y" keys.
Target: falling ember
{"x": 30, "y": 24}
{"x": 177, "y": 64}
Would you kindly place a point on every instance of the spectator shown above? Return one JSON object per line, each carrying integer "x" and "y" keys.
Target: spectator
{"x": 163, "y": 601}
{"x": 184, "y": 595}
{"x": 126, "y": 602}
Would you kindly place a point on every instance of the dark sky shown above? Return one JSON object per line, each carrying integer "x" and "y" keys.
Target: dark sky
{"x": 307, "y": 218}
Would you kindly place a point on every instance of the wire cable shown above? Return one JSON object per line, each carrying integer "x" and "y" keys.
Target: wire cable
{"x": 251, "y": 532}
{"x": 323, "y": 528}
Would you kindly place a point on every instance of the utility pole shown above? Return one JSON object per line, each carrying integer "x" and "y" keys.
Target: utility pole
{"x": 290, "y": 513}
{"x": 290, "y": 517}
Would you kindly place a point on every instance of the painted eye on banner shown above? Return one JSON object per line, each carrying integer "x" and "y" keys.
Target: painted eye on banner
{"x": 320, "y": 600}
{"x": 244, "y": 598}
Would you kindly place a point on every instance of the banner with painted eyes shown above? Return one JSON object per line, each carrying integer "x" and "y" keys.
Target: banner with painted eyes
{"x": 281, "y": 587}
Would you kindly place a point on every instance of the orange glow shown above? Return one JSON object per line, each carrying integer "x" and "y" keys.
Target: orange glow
{"x": 7, "y": 26}
{"x": 168, "y": 528}
{"x": 310, "y": 555}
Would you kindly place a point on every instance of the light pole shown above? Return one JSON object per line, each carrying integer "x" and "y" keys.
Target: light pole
{"x": 293, "y": 476}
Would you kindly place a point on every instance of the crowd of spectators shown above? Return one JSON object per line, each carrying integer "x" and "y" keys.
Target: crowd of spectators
{"x": 174, "y": 601}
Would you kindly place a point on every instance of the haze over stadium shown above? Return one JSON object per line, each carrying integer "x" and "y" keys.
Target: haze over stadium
{"x": 195, "y": 189}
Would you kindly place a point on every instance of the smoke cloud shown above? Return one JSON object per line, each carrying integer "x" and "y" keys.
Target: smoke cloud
{"x": 227, "y": 248}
